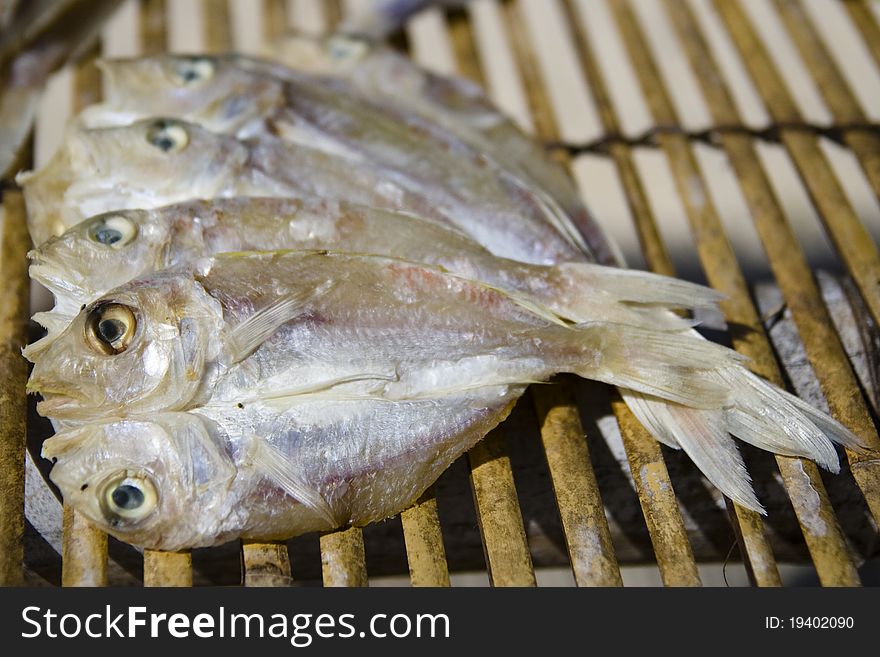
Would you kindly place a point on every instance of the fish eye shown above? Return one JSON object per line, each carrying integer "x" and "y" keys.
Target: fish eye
{"x": 343, "y": 48}
{"x": 167, "y": 136}
{"x": 129, "y": 497}
{"x": 110, "y": 328}
{"x": 115, "y": 231}
{"x": 194, "y": 69}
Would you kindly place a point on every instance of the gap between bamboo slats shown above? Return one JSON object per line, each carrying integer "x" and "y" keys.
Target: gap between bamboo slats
{"x": 850, "y": 238}
{"x": 83, "y": 546}
{"x": 801, "y": 478}
{"x": 821, "y": 342}
{"x": 14, "y": 244}
{"x": 585, "y": 527}
{"x": 656, "y": 495}
{"x": 852, "y": 241}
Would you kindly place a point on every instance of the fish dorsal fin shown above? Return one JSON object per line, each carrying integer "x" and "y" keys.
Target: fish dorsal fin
{"x": 277, "y": 466}
{"x": 247, "y": 336}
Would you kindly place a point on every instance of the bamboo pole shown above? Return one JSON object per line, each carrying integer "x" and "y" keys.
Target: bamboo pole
{"x": 864, "y": 21}
{"x": 801, "y": 478}
{"x": 161, "y": 568}
{"x": 265, "y": 564}
{"x": 425, "y": 552}
{"x": 672, "y": 550}
{"x": 343, "y": 562}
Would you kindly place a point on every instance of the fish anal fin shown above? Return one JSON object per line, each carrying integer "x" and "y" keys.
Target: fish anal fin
{"x": 276, "y": 466}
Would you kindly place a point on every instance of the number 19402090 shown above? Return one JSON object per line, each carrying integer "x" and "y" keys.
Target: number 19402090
{"x": 809, "y": 622}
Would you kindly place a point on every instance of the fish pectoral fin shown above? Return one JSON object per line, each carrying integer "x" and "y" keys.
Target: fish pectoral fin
{"x": 247, "y": 336}
{"x": 278, "y": 467}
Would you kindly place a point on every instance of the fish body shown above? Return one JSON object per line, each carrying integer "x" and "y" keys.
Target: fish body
{"x": 162, "y": 161}
{"x": 212, "y": 476}
{"x": 111, "y": 249}
{"x": 458, "y": 105}
{"x": 247, "y": 325}
{"x": 331, "y": 115}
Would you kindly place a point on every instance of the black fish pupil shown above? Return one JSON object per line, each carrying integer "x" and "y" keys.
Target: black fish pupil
{"x": 108, "y": 236}
{"x": 163, "y": 142}
{"x": 127, "y": 497}
{"x": 111, "y": 330}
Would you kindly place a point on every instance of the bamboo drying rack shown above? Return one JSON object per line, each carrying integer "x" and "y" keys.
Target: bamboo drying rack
{"x": 559, "y": 430}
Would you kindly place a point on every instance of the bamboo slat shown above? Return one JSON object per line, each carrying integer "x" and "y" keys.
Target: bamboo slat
{"x": 498, "y": 512}
{"x": 850, "y": 238}
{"x": 343, "y": 562}
{"x": 83, "y": 546}
{"x": 153, "y": 23}
{"x": 83, "y": 551}
{"x": 864, "y": 21}
{"x": 825, "y": 541}
{"x": 799, "y": 289}
{"x": 167, "y": 569}
{"x": 217, "y": 25}
{"x": 14, "y": 244}
{"x": 275, "y": 18}
{"x": 844, "y": 106}
{"x": 342, "y": 552}
{"x": 425, "y": 553}
{"x": 265, "y": 564}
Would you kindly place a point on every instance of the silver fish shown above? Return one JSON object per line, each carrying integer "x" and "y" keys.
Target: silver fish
{"x": 111, "y": 249}
{"x": 331, "y": 115}
{"x": 267, "y": 331}
{"x": 161, "y": 161}
{"x": 179, "y": 480}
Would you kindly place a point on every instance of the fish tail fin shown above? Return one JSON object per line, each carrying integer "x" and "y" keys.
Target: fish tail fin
{"x": 757, "y": 413}
{"x": 703, "y": 435}
{"x": 673, "y": 366}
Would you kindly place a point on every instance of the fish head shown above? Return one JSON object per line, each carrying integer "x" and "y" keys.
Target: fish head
{"x": 162, "y": 483}
{"x": 100, "y": 254}
{"x": 210, "y": 90}
{"x": 148, "y": 164}
{"x": 335, "y": 55}
{"x": 142, "y": 347}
